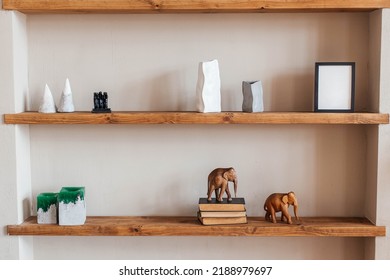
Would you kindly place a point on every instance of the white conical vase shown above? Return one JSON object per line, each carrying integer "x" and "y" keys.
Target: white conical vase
{"x": 66, "y": 102}
{"x": 253, "y": 96}
{"x": 47, "y": 103}
{"x": 208, "y": 89}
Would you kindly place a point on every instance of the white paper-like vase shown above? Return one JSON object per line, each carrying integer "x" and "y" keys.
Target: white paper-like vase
{"x": 208, "y": 89}
{"x": 66, "y": 102}
{"x": 253, "y": 96}
{"x": 47, "y": 102}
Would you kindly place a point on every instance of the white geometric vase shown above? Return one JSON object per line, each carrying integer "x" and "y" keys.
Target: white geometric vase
{"x": 253, "y": 96}
{"x": 66, "y": 102}
{"x": 47, "y": 102}
{"x": 208, "y": 88}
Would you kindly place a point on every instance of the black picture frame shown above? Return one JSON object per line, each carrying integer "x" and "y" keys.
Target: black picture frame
{"x": 334, "y": 87}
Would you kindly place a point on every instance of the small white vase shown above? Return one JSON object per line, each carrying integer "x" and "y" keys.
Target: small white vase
{"x": 47, "y": 102}
{"x": 253, "y": 96}
{"x": 66, "y": 102}
{"x": 208, "y": 89}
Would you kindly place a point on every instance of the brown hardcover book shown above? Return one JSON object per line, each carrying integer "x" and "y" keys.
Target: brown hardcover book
{"x": 237, "y": 204}
{"x": 222, "y": 220}
{"x": 219, "y": 214}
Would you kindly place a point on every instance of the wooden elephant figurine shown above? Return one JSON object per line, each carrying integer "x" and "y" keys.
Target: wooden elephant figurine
{"x": 218, "y": 181}
{"x": 279, "y": 202}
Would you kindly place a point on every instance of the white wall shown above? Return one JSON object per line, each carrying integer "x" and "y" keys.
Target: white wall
{"x": 383, "y": 209}
{"x": 15, "y": 179}
{"x": 7, "y": 136}
{"x": 149, "y": 62}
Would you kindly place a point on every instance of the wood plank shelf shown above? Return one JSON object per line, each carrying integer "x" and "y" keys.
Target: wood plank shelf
{"x": 196, "y": 118}
{"x": 190, "y": 226}
{"x": 186, "y": 6}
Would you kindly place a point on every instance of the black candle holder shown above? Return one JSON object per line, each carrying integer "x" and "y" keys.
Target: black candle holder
{"x": 100, "y": 102}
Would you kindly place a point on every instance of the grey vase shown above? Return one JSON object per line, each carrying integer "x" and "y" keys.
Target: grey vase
{"x": 253, "y": 96}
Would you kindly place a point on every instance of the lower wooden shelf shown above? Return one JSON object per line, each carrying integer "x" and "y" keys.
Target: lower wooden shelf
{"x": 184, "y": 6}
{"x": 190, "y": 226}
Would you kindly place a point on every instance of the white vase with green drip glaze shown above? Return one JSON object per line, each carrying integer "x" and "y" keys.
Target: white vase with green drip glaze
{"x": 47, "y": 208}
{"x": 71, "y": 206}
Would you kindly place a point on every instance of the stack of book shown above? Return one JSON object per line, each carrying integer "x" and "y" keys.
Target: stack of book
{"x": 222, "y": 213}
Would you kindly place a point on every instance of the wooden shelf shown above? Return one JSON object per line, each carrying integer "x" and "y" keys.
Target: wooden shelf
{"x": 200, "y": 6}
{"x": 190, "y": 226}
{"x": 196, "y": 118}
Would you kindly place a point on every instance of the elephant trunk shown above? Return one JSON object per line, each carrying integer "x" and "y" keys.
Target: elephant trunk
{"x": 235, "y": 187}
{"x": 296, "y": 211}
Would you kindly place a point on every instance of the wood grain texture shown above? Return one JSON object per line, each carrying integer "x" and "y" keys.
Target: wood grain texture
{"x": 177, "y": 6}
{"x": 196, "y": 118}
{"x": 190, "y": 226}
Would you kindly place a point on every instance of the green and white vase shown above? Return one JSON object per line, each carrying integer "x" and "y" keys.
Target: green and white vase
{"x": 71, "y": 206}
{"x": 47, "y": 208}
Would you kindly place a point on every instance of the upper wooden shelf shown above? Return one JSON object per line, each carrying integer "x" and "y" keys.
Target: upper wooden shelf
{"x": 197, "y": 6}
{"x": 190, "y": 226}
{"x": 197, "y": 118}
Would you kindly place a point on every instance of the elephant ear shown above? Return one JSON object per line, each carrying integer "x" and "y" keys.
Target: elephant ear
{"x": 224, "y": 175}
{"x": 285, "y": 199}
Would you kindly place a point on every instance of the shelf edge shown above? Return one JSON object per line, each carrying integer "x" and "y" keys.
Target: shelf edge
{"x": 35, "y": 118}
{"x": 190, "y": 226}
{"x": 174, "y": 6}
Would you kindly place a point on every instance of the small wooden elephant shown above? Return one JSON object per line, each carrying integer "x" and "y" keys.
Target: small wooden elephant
{"x": 279, "y": 202}
{"x": 218, "y": 180}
